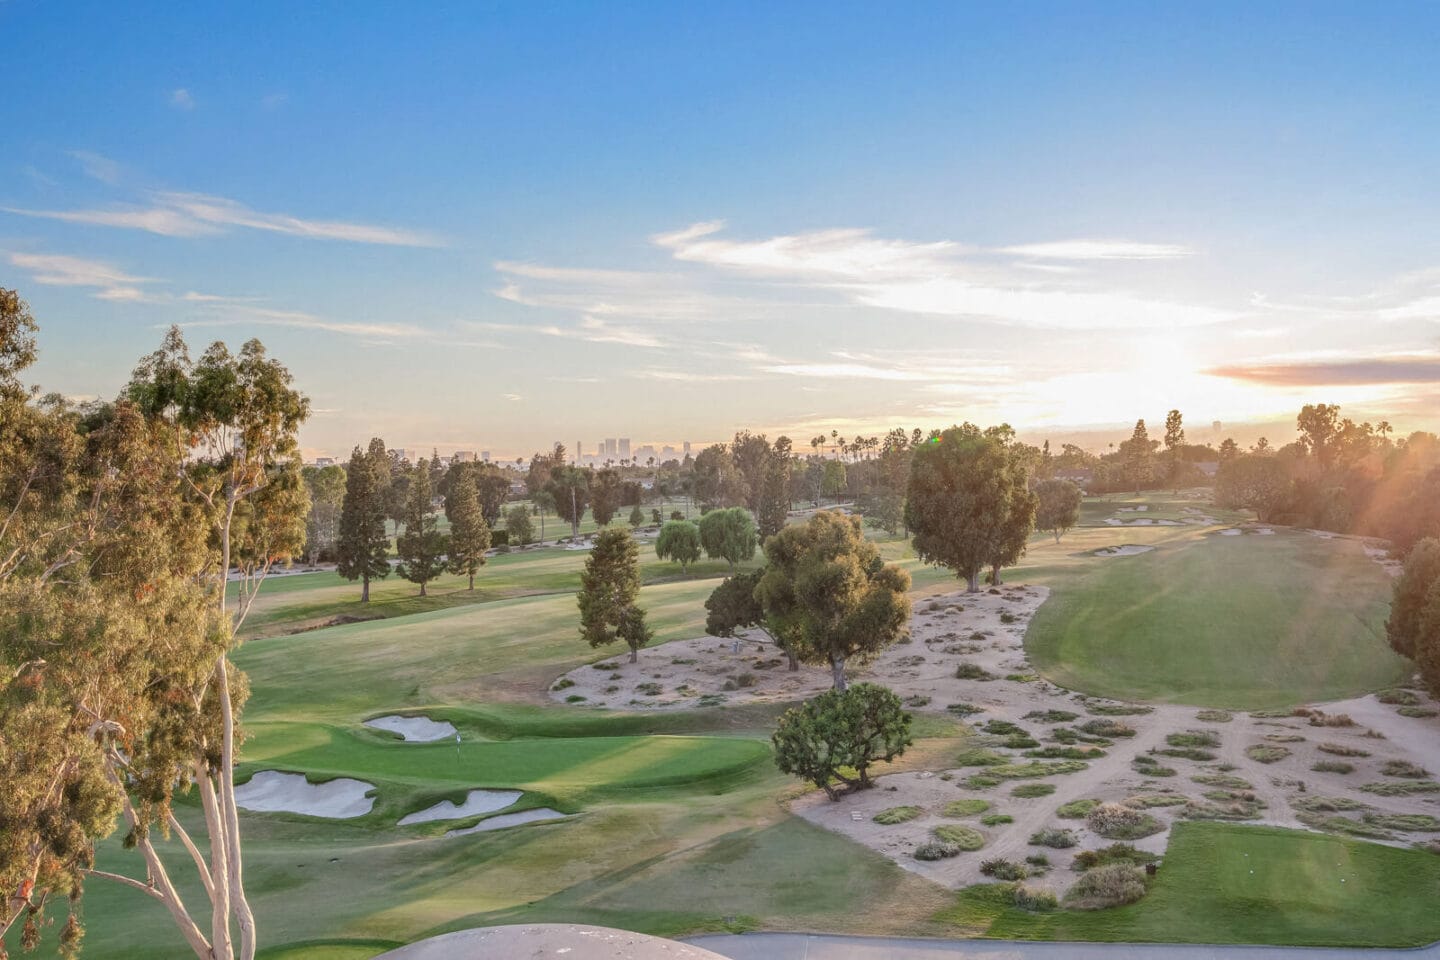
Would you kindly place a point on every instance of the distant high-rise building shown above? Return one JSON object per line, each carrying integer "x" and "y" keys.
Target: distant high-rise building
{"x": 324, "y": 461}
{"x": 610, "y": 447}
{"x": 578, "y": 449}
{"x": 687, "y": 448}
{"x": 667, "y": 452}
{"x": 599, "y": 450}
{"x": 464, "y": 456}
{"x": 485, "y": 455}
{"x": 624, "y": 448}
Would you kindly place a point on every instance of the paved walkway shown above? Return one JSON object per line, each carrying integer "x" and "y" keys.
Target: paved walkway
{"x": 800, "y": 946}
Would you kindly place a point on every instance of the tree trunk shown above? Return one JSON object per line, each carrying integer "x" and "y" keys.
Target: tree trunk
{"x": 472, "y": 581}
{"x": 634, "y": 654}
{"x": 1057, "y": 535}
{"x": 995, "y": 575}
{"x": 973, "y": 579}
{"x": 364, "y": 588}
{"x": 422, "y": 588}
{"x": 794, "y": 662}
{"x": 837, "y": 673}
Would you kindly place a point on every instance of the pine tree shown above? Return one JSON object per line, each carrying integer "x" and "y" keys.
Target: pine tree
{"x": 469, "y": 534}
{"x": 363, "y": 548}
{"x": 422, "y": 546}
{"x": 610, "y": 593}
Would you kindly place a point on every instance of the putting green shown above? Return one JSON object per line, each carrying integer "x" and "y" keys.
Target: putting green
{"x": 1227, "y": 621}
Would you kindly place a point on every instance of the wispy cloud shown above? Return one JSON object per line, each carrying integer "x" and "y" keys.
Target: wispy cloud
{"x": 181, "y": 99}
{"x": 97, "y": 167}
{"x": 178, "y": 214}
{"x": 233, "y": 314}
{"x": 590, "y": 329}
{"x": 59, "y": 270}
{"x": 1404, "y": 369}
{"x": 1099, "y": 250}
{"x": 511, "y": 396}
{"x": 851, "y": 254}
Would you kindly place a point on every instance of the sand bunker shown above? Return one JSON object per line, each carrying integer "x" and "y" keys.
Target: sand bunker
{"x": 1142, "y": 522}
{"x": 271, "y": 791}
{"x": 510, "y": 820}
{"x": 1231, "y": 532}
{"x": 548, "y": 940}
{"x": 476, "y": 803}
{"x": 419, "y": 729}
{"x": 1128, "y": 550}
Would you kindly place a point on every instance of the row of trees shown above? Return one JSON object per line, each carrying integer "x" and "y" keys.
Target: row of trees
{"x": 1414, "y": 625}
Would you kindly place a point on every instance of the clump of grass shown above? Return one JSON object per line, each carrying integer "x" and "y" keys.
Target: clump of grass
{"x": 1284, "y": 738}
{"x": 1115, "y": 821}
{"x": 965, "y": 838}
{"x": 964, "y": 709}
{"x": 1035, "y": 899}
{"x": 564, "y": 683}
{"x": 1224, "y": 805}
{"x": 1319, "y": 718}
{"x": 1313, "y": 804}
{"x": 1214, "y": 716}
{"x": 1020, "y": 741}
{"x": 968, "y": 807}
{"x": 1076, "y": 809}
{"x": 1266, "y": 753}
{"x": 606, "y": 665}
{"x": 972, "y": 671}
{"x": 1272, "y": 714}
{"x": 1333, "y": 766}
{"x": 1023, "y": 677}
{"x": 936, "y": 850}
{"x": 893, "y": 815}
{"x": 1034, "y": 769}
{"x": 1143, "y": 801}
{"x": 1030, "y": 790}
{"x": 1398, "y": 697}
{"x": 1122, "y": 853}
{"x": 1411, "y": 822}
{"x": 1194, "y": 738}
{"x": 1038, "y": 860}
{"x": 649, "y": 689}
{"x": 1106, "y": 727}
{"x": 980, "y": 781}
{"x": 1067, "y": 735}
{"x": 743, "y": 680}
{"x": 1333, "y": 823}
{"x": 1148, "y": 766}
{"x": 1342, "y": 750}
{"x": 996, "y": 819}
{"x": 977, "y": 757}
{"x": 1118, "y": 709}
{"x": 1402, "y": 788}
{"x": 1418, "y": 712}
{"x": 1404, "y": 768}
{"x": 1053, "y": 837}
{"x": 576, "y": 698}
{"x": 1185, "y": 753}
{"x": 1066, "y": 753}
{"x": 1006, "y": 617}
{"x": 1051, "y": 716}
{"x": 1113, "y": 885}
{"x": 917, "y": 701}
{"x": 1004, "y": 870}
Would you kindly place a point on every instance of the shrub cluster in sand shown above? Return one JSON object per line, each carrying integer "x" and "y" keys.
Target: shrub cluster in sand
{"x": 1113, "y": 885}
{"x": 1053, "y": 837}
{"x": 894, "y": 815}
{"x": 1121, "y": 853}
{"x": 964, "y": 838}
{"x": 1266, "y": 753}
{"x": 1115, "y": 821}
{"x": 968, "y": 807}
{"x": 1004, "y": 870}
{"x": 936, "y": 850}
{"x": 1035, "y": 899}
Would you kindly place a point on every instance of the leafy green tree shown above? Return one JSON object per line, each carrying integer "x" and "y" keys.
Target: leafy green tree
{"x": 832, "y": 478}
{"x": 517, "y": 525}
{"x": 469, "y": 533}
{"x": 327, "y": 497}
{"x": 773, "y": 501}
{"x": 839, "y": 735}
{"x": 422, "y": 547}
{"x": 1320, "y": 429}
{"x": 1058, "y": 506}
{"x": 1014, "y": 533}
{"x": 679, "y": 540}
{"x": 716, "y": 481}
{"x": 610, "y": 594}
{"x": 655, "y": 517}
{"x": 363, "y": 547}
{"x": 1229, "y": 450}
{"x": 1411, "y": 596}
{"x": 734, "y": 606}
{"x": 958, "y": 500}
{"x": 728, "y": 534}
{"x": 544, "y": 503}
{"x": 637, "y": 516}
{"x": 1138, "y": 457}
{"x": 605, "y": 493}
{"x": 569, "y": 488}
{"x": 1174, "y": 449}
{"x": 1253, "y": 482}
{"x": 827, "y": 587}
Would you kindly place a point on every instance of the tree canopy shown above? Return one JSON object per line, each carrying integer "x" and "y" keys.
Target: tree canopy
{"x": 610, "y": 593}
{"x": 729, "y": 534}
{"x": 363, "y": 547}
{"x": 469, "y": 533}
{"x": 1057, "y": 508}
{"x": 679, "y": 540}
{"x": 422, "y": 547}
{"x": 734, "y": 606}
{"x": 840, "y": 735}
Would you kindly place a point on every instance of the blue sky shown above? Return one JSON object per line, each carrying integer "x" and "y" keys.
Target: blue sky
{"x": 492, "y": 226}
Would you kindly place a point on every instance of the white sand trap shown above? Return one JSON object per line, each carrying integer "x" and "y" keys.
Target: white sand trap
{"x": 1142, "y": 522}
{"x": 476, "y": 802}
{"x": 1230, "y": 532}
{"x": 510, "y": 820}
{"x": 574, "y": 941}
{"x": 1128, "y": 550}
{"x": 271, "y": 791}
{"x": 419, "y": 729}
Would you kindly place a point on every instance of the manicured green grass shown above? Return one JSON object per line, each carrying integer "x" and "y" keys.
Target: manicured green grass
{"x": 1241, "y": 622}
{"x": 1221, "y": 883}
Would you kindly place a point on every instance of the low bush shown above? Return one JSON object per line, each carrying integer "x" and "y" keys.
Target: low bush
{"x": 1107, "y": 727}
{"x": 1034, "y": 769}
{"x": 964, "y": 709}
{"x": 1028, "y": 791}
{"x": 606, "y": 665}
{"x": 1333, "y": 766}
{"x": 1194, "y": 738}
{"x": 743, "y": 680}
{"x": 1115, "y": 821}
{"x": 1342, "y": 750}
{"x": 980, "y": 758}
{"x": 1122, "y": 853}
{"x": 1186, "y": 753}
{"x": 1148, "y": 766}
{"x": 1118, "y": 709}
{"x": 972, "y": 671}
{"x": 1214, "y": 716}
{"x": 576, "y": 698}
{"x": 1038, "y": 860}
{"x": 895, "y": 815}
{"x": 917, "y": 701}
{"x": 1113, "y": 885}
{"x": 1418, "y": 712}
{"x": 1004, "y": 870}
{"x": 1143, "y": 801}
{"x": 1334, "y": 823}
{"x": 1068, "y": 735}
{"x": 935, "y": 850}
{"x": 649, "y": 689}
{"x": 996, "y": 819}
{"x": 964, "y": 838}
{"x": 968, "y": 807}
{"x": 1313, "y": 804}
{"x": 1035, "y": 899}
{"x": 1266, "y": 753}
{"x": 1066, "y": 753}
{"x": 1400, "y": 698}
{"x": 1413, "y": 822}
{"x": 1224, "y": 805}
{"x": 1284, "y": 738}
{"x": 980, "y": 781}
{"x": 1051, "y": 716}
{"x": 1053, "y": 837}
{"x": 1401, "y": 788}
{"x": 1321, "y": 719}
{"x": 564, "y": 683}
{"x": 1007, "y": 618}
{"x": 1404, "y": 768}
{"x": 1076, "y": 809}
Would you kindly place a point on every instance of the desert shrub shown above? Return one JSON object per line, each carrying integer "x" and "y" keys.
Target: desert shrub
{"x": 1115, "y": 853}
{"x": 1035, "y": 899}
{"x": 1069, "y": 735}
{"x": 1066, "y": 753}
{"x": 1313, "y": 804}
{"x": 1004, "y": 870}
{"x": 1214, "y": 716}
{"x": 1107, "y": 727}
{"x": 936, "y": 850}
{"x": 606, "y": 665}
{"x": 1224, "y": 805}
{"x": 743, "y": 680}
{"x": 1333, "y": 766}
{"x": 996, "y": 819}
{"x": 1413, "y": 822}
{"x": 649, "y": 689}
{"x": 1118, "y": 709}
{"x": 1002, "y": 728}
{"x": 1274, "y": 714}
{"x": 1266, "y": 753}
{"x": 1034, "y": 769}
{"x": 972, "y": 671}
{"x": 1185, "y": 753}
{"x": 964, "y": 709}
{"x": 1333, "y": 823}
{"x": 1113, "y": 885}
{"x": 916, "y": 700}
{"x": 968, "y": 807}
{"x": 1115, "y": 821}
{"x": 1284, "y": 738}
{"x": 1148, "y": 766}
{"x": 1053, "y": 837}
{"x": 1194, "y": 738}
{"x": 1404, "y": 768}
{"x": 576, "y": 698}
{"x": 1051, "y": 716}
{"x": 965, "y": 838}
{"x": 979, "y": 758}
{"x": 1401, "y": 698}
{"x": 1076, "y": 809}
{"x": 980, "y": 781}
{"x": 1027, "y": 791}
{"x": 1418, "y": 712}
{"x": 1403, "y": 788}
{"x": 893, "y": 815}
{"x": 1020, "y": 741}
{"x": 1006, "y": 617}
{"x": 1038, "y": 860}
{"x": 1321, "y": 719}
{"x": 1342, "y": 750}
{"x": 708, "y": 700}
{"x": 1144, "y": 801}
{"x": 564, "y": 683}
